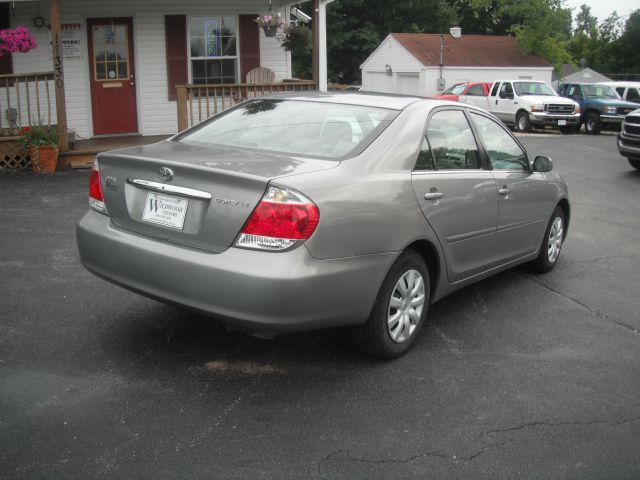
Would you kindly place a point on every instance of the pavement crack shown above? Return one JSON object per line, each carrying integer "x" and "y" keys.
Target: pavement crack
{"x": 342, "y": 455}
{"x": 524, "y": 426}
{"x": 595, "y": 311}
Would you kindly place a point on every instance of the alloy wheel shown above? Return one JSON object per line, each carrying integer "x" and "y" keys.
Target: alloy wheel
{"x": 554, "y": 242}
{"x": 405, "y": 306}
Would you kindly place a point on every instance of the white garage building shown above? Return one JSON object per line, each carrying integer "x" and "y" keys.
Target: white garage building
{"x": 411, "y": 63}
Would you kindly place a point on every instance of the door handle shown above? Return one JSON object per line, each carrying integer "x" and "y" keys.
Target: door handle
{"x": 504, "y": 191}
{"x": 433, "y": 195}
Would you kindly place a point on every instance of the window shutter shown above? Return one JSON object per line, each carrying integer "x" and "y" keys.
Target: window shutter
{"x": 175, "y": 27}
{"x": 249, "y": 45}
{"x": 6, "y": 64}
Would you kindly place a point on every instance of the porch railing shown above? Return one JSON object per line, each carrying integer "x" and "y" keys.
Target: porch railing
{"x": 26, "y": 99}
{"x": 198, "y": 102}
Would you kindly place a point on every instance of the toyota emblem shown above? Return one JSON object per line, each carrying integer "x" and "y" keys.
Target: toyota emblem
{"x": 165, "y": 174}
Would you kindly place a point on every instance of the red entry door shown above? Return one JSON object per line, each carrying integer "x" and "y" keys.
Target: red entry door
{"x": 111, "y": 65}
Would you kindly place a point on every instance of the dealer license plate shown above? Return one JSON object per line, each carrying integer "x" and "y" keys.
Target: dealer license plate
{"x": 165, "y": 210}
{"x": 562, "y": 123}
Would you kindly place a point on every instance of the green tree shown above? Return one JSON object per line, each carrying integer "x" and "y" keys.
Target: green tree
{"x": 625, "y": 49}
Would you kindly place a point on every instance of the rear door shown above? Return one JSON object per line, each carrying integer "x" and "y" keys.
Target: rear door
{"x": 457, "y": 194}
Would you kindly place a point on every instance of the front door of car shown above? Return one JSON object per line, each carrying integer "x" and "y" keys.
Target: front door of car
{"x": 457, "y": 195}
{"x": 503, "y": 106}
{"x": 525, "y": 198}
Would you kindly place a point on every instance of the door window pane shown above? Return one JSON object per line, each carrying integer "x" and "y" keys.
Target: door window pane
{"x": 425, "y": 159}
{"x": 452, "y": 142}
{"x": 504, "y": 152}
{"x": 110, "y": 52}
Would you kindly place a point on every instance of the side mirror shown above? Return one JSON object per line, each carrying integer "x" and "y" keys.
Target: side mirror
{"x": 542, "y": 164}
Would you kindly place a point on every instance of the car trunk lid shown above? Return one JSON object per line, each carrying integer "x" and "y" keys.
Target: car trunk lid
{"x": 192, "y": 195}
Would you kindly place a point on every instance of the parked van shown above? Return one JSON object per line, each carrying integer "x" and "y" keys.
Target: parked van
{"x": 629, "y": 91}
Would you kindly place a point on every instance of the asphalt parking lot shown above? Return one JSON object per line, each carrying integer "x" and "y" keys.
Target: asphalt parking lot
{"x": 519, "y": 376}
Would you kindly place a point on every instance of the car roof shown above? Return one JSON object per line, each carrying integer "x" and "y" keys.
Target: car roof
{"x": 621, "y": 84}
{"x": 365, "y": 99}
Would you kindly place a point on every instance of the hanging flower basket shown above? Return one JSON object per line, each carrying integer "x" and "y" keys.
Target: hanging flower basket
{"x": 270, "y": 31}
{"x": 270, "y": 23}
{"x": 16, "y": 40}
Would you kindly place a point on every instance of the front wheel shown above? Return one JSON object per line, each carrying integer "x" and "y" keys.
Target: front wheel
{"x": 592, "y": 123}
{"x": 551, "y": 244}
{"x": 634, "y": 162}
{"x": 399, "y": 311}
{"x": 523, "y": 122}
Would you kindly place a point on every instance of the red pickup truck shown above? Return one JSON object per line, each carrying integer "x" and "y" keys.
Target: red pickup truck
{"x": 479, "y": 89}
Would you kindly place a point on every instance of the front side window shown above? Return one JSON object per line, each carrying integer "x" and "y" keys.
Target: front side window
{"x": 476, "y": 90}
{"x": 292, "y": 127}
{"x": 452, "y": 142}
{"x": 504, "y": 152}
{"x": 506, "y": 91}
{"x": 213, "y": 50}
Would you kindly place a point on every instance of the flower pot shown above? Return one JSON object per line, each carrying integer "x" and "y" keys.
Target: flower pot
{"x": 270, "y": 31}
{"x": 44, "y": 158}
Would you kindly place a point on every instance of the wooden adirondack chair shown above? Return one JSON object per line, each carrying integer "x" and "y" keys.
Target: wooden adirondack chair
{"x": 261, "y": 75}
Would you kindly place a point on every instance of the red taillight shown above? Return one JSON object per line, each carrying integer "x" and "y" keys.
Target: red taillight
{"x": 282, "y": 218}
{"x": 96, "y": 199}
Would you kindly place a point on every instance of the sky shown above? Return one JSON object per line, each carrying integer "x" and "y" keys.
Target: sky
{"x": 603, "y": 8}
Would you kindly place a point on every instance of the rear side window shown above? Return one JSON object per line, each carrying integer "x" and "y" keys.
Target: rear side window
{"x": 293, "y": 127}
{"x": 494, "y": 90}
{"x": 633, "y": 95}
{"x": 452, "y": 142}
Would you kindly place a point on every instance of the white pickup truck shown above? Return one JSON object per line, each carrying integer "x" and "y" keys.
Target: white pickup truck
{"x": 528, "y": 103}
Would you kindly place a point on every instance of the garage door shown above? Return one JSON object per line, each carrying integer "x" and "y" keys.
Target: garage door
{"x": 408, "y": 83}
{"x": 379, "y": 82}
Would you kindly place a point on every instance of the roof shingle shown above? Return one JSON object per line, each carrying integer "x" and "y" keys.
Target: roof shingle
{"x": 468, "y": 51}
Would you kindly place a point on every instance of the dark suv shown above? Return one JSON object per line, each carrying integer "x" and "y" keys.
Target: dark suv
{"x": 600, "y": 105}
{"x": 629, "y": 139}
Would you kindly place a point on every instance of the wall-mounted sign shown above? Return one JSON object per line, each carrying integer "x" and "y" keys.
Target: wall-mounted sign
{"x": 71, "y": 41}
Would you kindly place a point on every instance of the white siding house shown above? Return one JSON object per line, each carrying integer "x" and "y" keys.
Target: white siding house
{"x": 410, "y": 63}
{"x": 155, "y": 112}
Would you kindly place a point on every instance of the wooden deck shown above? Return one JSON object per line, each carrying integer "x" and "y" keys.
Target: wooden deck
{"x": 83, "y": 152}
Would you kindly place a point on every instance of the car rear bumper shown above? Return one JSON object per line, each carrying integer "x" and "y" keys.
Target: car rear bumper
{"x": 270, "y": 291}
{"x": 552, "y": 120}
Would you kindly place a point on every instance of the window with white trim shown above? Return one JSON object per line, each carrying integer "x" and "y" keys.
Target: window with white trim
{"x": 213, "y": 49}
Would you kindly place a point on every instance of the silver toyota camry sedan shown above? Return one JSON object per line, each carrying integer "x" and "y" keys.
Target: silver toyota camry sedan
{"x": 306, "y": 211}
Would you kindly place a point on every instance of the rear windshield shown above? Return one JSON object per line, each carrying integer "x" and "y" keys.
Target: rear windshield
{"x": 317, "y": 129}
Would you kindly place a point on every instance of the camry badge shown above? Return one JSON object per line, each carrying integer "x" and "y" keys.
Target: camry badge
{"x": 165, "y": 174}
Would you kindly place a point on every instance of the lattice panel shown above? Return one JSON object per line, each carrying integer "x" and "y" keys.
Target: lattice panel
{"x": 13, "y": 157}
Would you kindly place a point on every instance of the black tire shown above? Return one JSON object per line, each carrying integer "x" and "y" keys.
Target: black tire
{"x": 592, "y": 123}
{"x": 634, "y": 162}
{"x": 546, "y": 261}
{"x": 523, "y": 122}
{"x": 374, "y": 337}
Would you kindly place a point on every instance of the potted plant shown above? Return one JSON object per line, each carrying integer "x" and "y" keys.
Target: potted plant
{"x": 42, "y": 144}
{"x": 270, "y": 23}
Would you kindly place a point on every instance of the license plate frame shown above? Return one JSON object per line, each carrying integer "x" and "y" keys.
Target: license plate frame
{"x": 166, "y": 210}
{"x": 562, "y": 123}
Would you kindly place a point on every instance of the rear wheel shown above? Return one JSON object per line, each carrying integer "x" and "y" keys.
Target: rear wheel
{"x": 551, "y": 244}
{"x": 399, "y": 311}
{"x": 592, "y": 123}
{"x": 634, "y": 162}
{"x": 523, "y": 122}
